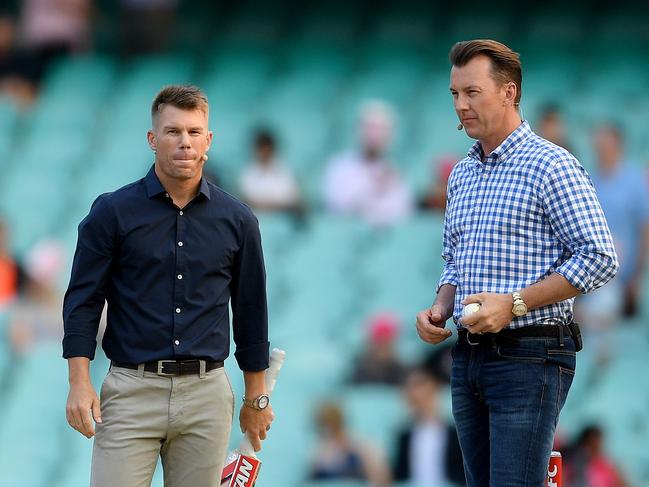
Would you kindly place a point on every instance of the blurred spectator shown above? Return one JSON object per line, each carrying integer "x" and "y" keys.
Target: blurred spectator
{"x": 439, "y": 362}
{"x": 435, "y": 197}
{"x": 586, "y": 463}
{"x": 340, "y": 457}
{"x": 378, "y": 362}
{"x": 50, "y": 28}
{"x": 428, "y": 451}
{"x": 363, "y": 182}
{"x": 9, "y": 270}
{"x": 267, "y": 184}
{"x": 624, "y": 196}
{"x": 551, "y": 126}
{"x": 14, "y": 68}
{"x": 146, "y": 25}
{"x": 36, "y": 315}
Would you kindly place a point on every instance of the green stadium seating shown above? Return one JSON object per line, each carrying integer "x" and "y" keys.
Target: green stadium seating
{"x": 303, "y": 71}
{"x": 5, "y": 355}
{"x": 8, "y": 119}
{"x": 31, "y": 426}
{"x": 388, "y": 414}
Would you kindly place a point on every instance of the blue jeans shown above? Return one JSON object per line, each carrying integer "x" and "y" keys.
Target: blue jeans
{"x": 506, "y": 404}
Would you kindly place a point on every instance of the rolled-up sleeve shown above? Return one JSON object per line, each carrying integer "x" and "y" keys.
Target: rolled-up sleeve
{"x": 449, "y": 273}
{"x": 86, "y": 293}
{"x": 248, "y": 294}
{"x": 578, "y": 221}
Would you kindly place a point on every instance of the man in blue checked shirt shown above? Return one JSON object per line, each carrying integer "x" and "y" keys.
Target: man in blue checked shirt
{"x": 523, "y": 235}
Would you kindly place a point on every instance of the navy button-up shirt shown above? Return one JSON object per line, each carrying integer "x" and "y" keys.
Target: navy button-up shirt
{"x": 168, "y": 275}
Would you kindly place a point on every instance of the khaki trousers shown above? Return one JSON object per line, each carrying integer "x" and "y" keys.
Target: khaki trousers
{"x": 184, "y": 419}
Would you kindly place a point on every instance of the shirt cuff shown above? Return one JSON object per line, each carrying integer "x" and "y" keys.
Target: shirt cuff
{"x": 449, "y": 276}
{"x": 576, "y": 274}
{"x": 79, "y": 346}
{"x": 253, "y": 358}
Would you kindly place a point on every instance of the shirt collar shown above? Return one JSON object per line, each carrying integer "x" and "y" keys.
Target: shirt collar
{"x": 500, "y": 153}
{"x": 205, "y": 188}
{"x": 154, "y": 186}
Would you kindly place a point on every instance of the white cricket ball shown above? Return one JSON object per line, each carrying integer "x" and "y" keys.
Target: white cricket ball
{"x": 470, "y": 309}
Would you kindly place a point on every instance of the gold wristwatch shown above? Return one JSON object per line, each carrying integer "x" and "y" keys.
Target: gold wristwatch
{"x": 519, "y": 308}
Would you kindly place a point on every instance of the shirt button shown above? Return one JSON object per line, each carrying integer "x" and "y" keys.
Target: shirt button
{"x": 166, "y": 195}
{"x": 176, "y": 342}
{"x": 180, "y": 276}
{"x": 177, "y": 310}
{"x": 181, "y": 213}
{"x": 180, "y": 244}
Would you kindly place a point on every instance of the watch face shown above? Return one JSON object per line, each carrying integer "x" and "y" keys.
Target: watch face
{"x": 263, "y": 402}
{"x": 520, "y": 309}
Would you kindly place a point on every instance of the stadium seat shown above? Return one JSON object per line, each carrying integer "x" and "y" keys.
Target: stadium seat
{"x": 5, "y": 355}
{"x": 31, "y": 427}
{"x": 8, "y": 119}
{"x": 388, "y": 414}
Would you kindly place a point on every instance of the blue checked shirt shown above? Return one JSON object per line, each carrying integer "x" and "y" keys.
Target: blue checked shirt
{"x": 527, "y": 211}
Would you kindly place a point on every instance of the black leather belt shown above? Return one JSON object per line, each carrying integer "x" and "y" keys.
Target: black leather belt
{"x": 174, "y": 367}
{"x": 509, "y": 337}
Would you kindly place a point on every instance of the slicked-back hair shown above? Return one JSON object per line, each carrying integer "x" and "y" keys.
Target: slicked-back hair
{"x": 505, "y": 63}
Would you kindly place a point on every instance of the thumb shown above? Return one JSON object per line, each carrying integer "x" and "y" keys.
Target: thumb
{"x": 436, "y": 312}
{"x": 96, "y": 411}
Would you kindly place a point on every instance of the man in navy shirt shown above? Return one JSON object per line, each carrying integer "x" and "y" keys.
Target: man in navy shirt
{"x": 167, "y": 253}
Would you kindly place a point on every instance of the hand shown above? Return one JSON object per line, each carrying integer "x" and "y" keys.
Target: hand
{"x": 255, "y": 424}
{"x": 431, "y": 324}
{"x": 83, "y": 399}
{"x": 495, "y": 312}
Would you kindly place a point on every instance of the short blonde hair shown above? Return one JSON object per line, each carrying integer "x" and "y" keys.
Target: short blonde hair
{"x": 186, "y": 97}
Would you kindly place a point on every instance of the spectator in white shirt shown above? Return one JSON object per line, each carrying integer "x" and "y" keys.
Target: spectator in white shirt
{"x": 266, "y": 184}
{"x": 363, "y": 182}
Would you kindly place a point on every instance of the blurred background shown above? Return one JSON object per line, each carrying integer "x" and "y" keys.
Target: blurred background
{"x": 333, "y": 120}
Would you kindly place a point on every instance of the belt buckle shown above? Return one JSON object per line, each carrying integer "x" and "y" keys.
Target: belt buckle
{"x": 161, "y": 365}
{"x": 468, "y": 334}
